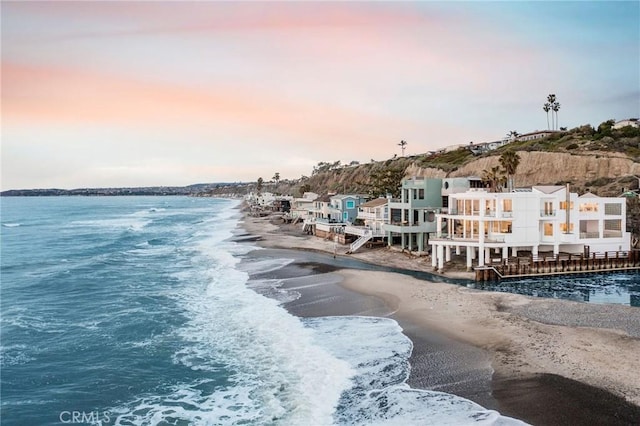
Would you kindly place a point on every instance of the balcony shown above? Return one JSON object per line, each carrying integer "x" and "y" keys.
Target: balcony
{"x": 371, "y": 216}
{"x": 547, "y": 213}
{"x": 362, "y": 230}
{"x": 404, "y": 227}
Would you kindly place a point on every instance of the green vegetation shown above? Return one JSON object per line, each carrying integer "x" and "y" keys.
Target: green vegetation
{"x": 382, "y": 177}
{"x": 584, "y": 140}
{"x": 386, "y": 181}
{"x": 447, "y": 161}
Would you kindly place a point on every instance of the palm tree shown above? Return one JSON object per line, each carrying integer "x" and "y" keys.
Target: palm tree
{"x": 402, "y": 145}
{"x": 510, "y": 160}
{"x": 551, "y": 99}
{"x": 493, "y": 179}
{"x": 513, "y": 135}
{"x": 546, "y": 108}
{"x": 555, "y": 107}
{"x": 276, "y": 178}
{"x": 259, "y": 185}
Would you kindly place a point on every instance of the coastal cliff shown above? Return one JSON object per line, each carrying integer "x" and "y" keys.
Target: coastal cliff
{"x": 599, "y": 172}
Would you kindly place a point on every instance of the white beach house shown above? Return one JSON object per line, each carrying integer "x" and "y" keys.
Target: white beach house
{"x": 542, "y": 218}
{"x": 300, "y": 207}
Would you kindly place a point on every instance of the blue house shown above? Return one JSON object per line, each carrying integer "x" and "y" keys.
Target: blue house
{"x": 348, "y": 205}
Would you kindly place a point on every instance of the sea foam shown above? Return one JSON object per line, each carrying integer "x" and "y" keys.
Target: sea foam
{"x": 279, "y": 373}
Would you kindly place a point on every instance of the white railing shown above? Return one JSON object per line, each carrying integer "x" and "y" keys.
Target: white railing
{"x": 366, "y": 216}
{"x": 362, "y": 230}
{"x": 355, "y": 230}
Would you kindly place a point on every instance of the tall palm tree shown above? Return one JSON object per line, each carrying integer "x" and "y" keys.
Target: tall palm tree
{"x": 510, "y": 160}
{"x": 276, "y": 178}
{"x": 546, "y": 108}
{"x": 555, "y": 107}
{"x": 551, "y": 99}
{"x": 402, "y": 145}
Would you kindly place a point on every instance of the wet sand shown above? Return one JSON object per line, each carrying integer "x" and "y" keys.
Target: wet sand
{"x": 542, "y": 361}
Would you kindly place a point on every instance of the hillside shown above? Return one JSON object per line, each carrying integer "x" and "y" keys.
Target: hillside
{"x": 604, "y": 161}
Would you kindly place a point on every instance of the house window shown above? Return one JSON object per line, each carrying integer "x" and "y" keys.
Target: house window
{"x": 421, "y": 194}
{"x": 589, "y": 229}
{"x": 507, "y": 205}
{"x": 548, "y": 229}
{"x": 351, "y": 204}
{"x": 467, "y": 207}
{"x": 501, "y": 227}
{"x": 563, "y": 227}
{"x": 429, "y": 216}
{"x": 563, "y": 205}
{"x": 547, "y": 209}
{"x": 612, "y": 228}
{"x": 490, "y": 207}
{"x": 345, "y": 216}
{"x": 613, "y": 208}
{"x": 588, "y": 207}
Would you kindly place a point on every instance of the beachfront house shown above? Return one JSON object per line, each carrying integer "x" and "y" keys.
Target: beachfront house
{"x": 332, "y": 214}
{"x": 372, "y": 215}
{"x": 348, "y": 205}
{"x": 323, "y": 210}
{"x": 301, "y": 207}
{"x": 412, "y": 218}
{"x": 488, "y": 226}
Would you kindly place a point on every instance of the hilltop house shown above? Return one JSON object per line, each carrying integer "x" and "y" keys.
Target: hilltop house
{"x": 633, "y": 122}
{"x": 538, "y": 134}
{"x": 481, "y": 148}
{"x": 541, "y": 218}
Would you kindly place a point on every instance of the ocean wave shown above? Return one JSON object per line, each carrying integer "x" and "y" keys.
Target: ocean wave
{"x": 379, "y": 353}
{"x": 11, "y": 225}
{"x": 275, "y": 372}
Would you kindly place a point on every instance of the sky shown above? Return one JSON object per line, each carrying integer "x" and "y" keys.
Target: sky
{"x": 118, "y": 93}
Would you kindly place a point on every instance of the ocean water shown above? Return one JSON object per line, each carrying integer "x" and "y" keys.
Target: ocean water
{"x": 137, "y": 311}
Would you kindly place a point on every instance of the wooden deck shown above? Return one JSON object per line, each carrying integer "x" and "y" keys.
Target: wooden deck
{"x": 560, "y": 265}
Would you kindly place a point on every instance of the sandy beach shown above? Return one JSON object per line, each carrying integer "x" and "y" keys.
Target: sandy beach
{"x": 544, "y": 361}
